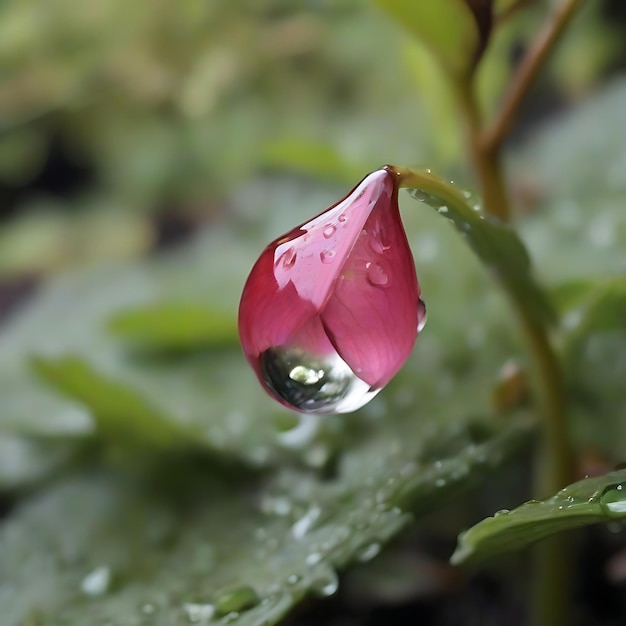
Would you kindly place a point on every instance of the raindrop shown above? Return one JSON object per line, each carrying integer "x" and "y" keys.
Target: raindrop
{"x": 377, "y": 242}
{"x": 327, "y": 255}
{"x": 237, "y": 600}
{"x": 313, "y": 559}
{"x": 313, "y": 384}
{"x": 306, "y": 522}
{"x": 372, "y": 551}
{"x": 287, "y": 258}
{"x": 613, "y": 501}
{"x": 501, "y": 512}
{"x": 329, "y": 231}
{"x": 148, "y": 608}
{"x": 377, "y": 276}
{"x": 422, "y": 316}
{"x": 443, "y": 209}
{"x": 293, "y": 579}
{"x": 96, "y": 583}
{"x": 328, "y": 585}
{"x": 198, "y": 613}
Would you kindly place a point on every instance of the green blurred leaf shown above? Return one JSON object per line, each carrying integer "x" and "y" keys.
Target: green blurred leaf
{"x": 588, "y": 501}
{"x": 447, "y": 27}
{"x": 173, "y": 326}
{"x": 160, "y": 549}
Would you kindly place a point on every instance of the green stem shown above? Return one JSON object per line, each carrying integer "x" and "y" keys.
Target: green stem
{"x": 555, "y": 470}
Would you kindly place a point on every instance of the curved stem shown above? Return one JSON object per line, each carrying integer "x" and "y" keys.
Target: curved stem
{"x": 486, "y": 162}
{"x": 526, "y": 73}
{"x": 552, "y": 570}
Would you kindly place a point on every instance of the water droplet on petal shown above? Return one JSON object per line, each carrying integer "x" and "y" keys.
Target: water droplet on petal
{"x": 329, "y": 231}
{"x": 314, "y": 384}
{"x": 377, "y": 276}
{"x": 287, "y": 258}
{"x": 342, "y": 218}
{"x": 422, "y": 316}
{"x": 327, "y": 255}
{"x": 613, "y": 501}
{"x": 378, "y": 242}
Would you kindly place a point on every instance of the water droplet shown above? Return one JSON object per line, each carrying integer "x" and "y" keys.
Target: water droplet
{"x": 501, "y": 512}
{"x": 293, "y": 579}
{"x": 329, "y": 231}
{"x": 327, "y": 583}
{"x": 148, "y": 608}
{"x": 287, "y": 258}
{"x": 467, "y": 194}
{"x": 313, "y": 384}
{"x": 422, "y": 316}
{"x": 372, "y": 551}
{"x": 96, "y": 583}
{"x": 377, "y": 276}
{"x": 327, "y": 255}
{"x": 443, "y": 209}
{"x": 198, "y": 613}
{"x": 313, "y": 559}
{"x": 306, "y": 522}
{"x": 342, "y": 218}
{"x": 237, "y": 600}
{"x": 613, "y": 501}
{"x": 378, "y": 242}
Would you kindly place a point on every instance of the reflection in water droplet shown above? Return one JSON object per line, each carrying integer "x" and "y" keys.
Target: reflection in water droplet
{"x": 96, "y": 583}
{"x": 377, "y": 276}
{"x": 237, "y": 600}
{"x": 327, "y": 256}
{"x": 613, "y": 501}
{"x": 329, "y": 231}
{"x": 198, "y": 613}
{"x": 287, "y": 258}
{"x": 422, "y": 316}
{"x": 314, "y": 384}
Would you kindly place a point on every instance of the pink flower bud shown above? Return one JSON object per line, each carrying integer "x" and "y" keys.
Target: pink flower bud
{"x": 331, "y": 310}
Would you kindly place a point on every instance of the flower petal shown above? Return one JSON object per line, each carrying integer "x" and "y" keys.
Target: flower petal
{"x": 372, "y": 316}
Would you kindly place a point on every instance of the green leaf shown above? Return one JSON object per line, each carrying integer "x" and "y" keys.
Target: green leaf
{"x": 496, "y": 244}
{"x": 164, "y": 547}
{"x": 175, "y": 326}
{"x": 447, "y": 27}
{"x": 588, "y": 501}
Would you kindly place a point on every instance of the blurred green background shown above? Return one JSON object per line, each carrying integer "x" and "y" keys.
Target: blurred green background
{"x": 148, "y": 152}
{"x": 122, "y": 125}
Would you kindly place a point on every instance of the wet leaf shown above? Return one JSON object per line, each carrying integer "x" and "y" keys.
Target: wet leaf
{"x": 164, "y": 547}
{"x": 588, "y": 501}
{"x": 497, "y": 245}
